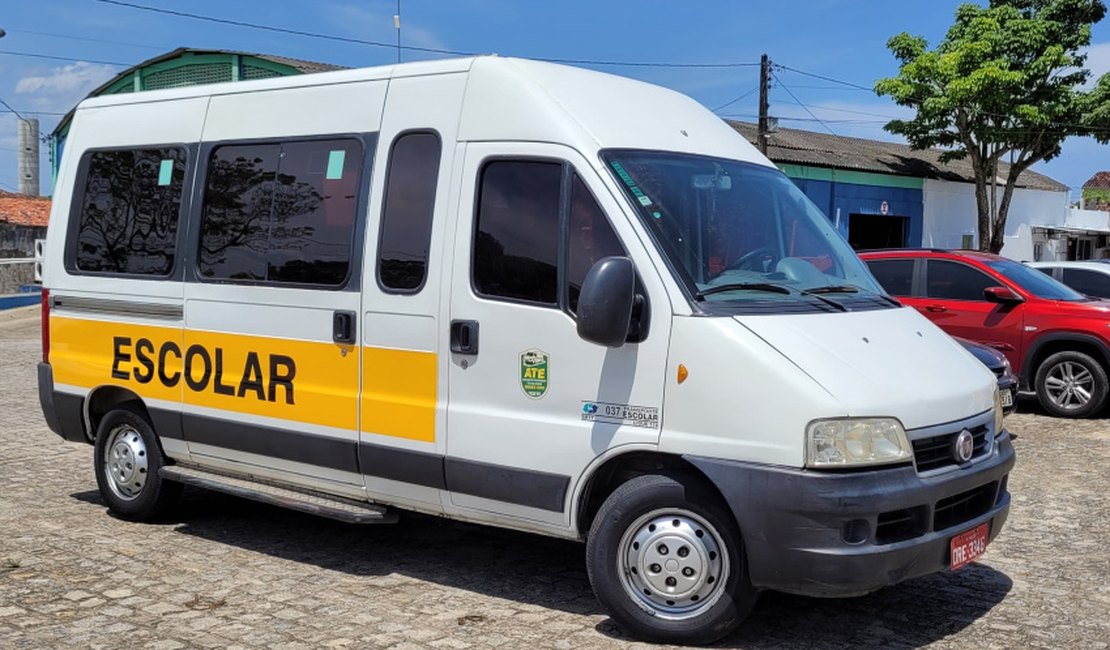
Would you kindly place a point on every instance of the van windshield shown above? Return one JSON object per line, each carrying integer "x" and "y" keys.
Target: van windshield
{"x": 741, "y": 233}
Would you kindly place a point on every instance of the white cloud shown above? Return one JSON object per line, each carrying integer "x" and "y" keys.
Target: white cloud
{"x": 75, "y": 79}
{"x": 1098, "y": 60}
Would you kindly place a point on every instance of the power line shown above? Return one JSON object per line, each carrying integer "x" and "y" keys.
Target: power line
{"x": 36, "y": 55}
{"x": 431, "y": 50}
{"x": 7, "y": 106}
{"x": 791, "y": 93}
{"x": 34, "y": 112}
{"x": 730, "y": 103}
{"x": 83, "y": 38}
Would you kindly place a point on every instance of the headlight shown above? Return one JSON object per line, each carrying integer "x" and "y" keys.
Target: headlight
{"x": 855, "y": 442}
{"x": 1007, "y": 366}
{"x": 997, "y": 411}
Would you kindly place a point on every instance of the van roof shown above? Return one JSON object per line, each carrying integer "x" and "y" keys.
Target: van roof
{"x": 509, "y": 99}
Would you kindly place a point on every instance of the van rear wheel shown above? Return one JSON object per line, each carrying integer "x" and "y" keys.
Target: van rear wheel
{"x": 667, "y": 561}
{"x": 127, "y": 460}
{"x": 1071, "y": 384}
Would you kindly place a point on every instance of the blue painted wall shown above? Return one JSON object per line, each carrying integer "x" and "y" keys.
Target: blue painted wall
{"x": 867, "y": 199}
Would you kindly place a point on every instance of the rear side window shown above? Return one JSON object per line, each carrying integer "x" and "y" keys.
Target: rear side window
{"x": 410, "y": 197}
{"x": 895, "y": 276}
{"x": 516, "y": 244}
{"x": 1090, "y": 283}
{"x": 130, "y": 205}
{"x": 281, "y": 213}
{"x": 955, "y": 281}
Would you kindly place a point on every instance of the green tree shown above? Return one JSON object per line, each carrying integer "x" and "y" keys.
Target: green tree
{"x": 1005, "y": 84}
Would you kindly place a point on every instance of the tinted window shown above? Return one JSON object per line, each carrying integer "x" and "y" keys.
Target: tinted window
{"x": 129, "y": 211}
{"x": 896, "y": 276}
{"x": 591, "y": 238}
{"x": 410, "y": 197}
{"x": 516, "y": 242}
{"x": 280, "y": 213}
{"x": 955, "y": 281}
{"x": 1090, "y": 283}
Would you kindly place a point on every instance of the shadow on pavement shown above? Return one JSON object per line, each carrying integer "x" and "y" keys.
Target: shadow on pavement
{"x": 551, "y": 573}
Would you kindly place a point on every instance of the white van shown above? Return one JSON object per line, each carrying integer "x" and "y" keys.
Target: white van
{"x": 513, "y": 293}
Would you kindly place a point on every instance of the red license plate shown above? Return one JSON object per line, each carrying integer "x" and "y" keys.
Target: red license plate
{"x": 967, "y": 547}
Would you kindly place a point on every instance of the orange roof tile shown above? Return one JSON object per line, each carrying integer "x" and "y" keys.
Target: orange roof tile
{"x": 24, "y": 210}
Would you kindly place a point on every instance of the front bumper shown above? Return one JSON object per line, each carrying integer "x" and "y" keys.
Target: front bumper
{"x": 847, "y": 533}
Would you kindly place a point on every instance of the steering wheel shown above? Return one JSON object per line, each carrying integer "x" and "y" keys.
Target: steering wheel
{"x": 765, "y": 253}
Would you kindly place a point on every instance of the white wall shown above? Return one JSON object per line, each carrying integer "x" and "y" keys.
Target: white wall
{"x": 950, "y": 213}
{"x": 1089, "y": 219}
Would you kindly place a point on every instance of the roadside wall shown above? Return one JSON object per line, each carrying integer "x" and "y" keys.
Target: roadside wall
{"x": 19, "y": 241}
{"x": 12, "y": 275}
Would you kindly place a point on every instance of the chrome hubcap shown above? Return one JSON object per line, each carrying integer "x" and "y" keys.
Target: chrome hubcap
{"x": 1069, "y": 385}
{"x": 125, "y": 464}
{"x": 673, "y": 562}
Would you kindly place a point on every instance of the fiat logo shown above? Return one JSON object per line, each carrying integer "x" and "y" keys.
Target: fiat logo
{"x": 963, "y": 447}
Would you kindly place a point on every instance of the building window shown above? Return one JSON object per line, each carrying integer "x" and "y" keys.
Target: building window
{"x": 281, "y": 213}
{"x": 410, "y": 197}
{"x": 130, "y": 206}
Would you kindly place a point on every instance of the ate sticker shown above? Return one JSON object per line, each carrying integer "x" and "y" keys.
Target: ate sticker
{"x": 534, "y": 373}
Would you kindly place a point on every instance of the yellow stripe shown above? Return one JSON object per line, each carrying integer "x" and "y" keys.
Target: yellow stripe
{"x": 399, "y": 393}
{"x": 324, "y": 384}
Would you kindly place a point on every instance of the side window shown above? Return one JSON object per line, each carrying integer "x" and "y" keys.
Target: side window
{"x": 591, "y": 238}
{"x": 410, "y": 197}
{"x": 955, "y": 281}
{"x": 1090, "y": 283}
{"x": 516, "y": 239}
{"x": 280, "y": 213}
{"x": 895, "y": 276}
{"x": 129, "y": 210}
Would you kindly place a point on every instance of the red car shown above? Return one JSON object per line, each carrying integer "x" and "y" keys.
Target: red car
{"x": 1057, "y": 340}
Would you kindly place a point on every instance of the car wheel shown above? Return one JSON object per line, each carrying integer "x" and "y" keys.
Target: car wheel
{"x": 667, "y": 561}
{"x": 127, "y": 460}
{"x": 1071, "y": 384}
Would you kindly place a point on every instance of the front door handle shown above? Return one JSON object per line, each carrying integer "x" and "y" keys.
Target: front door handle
{"x": 464, "y": 336}
{"x": 343, "y": 327}
{"x": 936, "y": 309}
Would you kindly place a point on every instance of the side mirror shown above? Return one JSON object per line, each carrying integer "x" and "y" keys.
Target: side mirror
{"x": 605, "y": 302}
{"x": 1002, "y": 295}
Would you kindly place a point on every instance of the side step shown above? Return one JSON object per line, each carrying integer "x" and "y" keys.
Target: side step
{"x": 314, "y": 503}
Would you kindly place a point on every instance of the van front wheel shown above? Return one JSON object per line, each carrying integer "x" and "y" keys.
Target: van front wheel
{"x": 667, "y": 561}
{"x": 127, "y": 462}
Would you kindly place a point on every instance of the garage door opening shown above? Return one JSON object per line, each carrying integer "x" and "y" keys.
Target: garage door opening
{"x": 868, "y": 231}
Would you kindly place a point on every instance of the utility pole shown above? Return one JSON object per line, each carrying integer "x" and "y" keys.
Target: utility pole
{"x": 397, "y": 26}
{"x": 764, "y": 83}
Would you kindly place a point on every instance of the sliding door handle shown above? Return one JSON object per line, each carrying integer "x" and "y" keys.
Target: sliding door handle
{"x": 464, "y": 336}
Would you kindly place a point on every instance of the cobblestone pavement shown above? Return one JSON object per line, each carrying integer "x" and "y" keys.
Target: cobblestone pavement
{"x": 230, "y": 573}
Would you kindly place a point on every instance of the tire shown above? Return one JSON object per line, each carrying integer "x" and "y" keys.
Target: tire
{"x": 1071, "y": 384}
{"x": 127, "y": 459}
{"x": 649, "y": 535}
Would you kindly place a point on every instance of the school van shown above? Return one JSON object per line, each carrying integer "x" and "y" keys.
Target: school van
{"x": 513, "y": 293}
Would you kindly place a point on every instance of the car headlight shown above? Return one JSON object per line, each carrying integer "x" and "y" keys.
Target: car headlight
{"x": 856, "y": 442}
{"x": 997, "y": 411}
{"x": 1007, "y": 366}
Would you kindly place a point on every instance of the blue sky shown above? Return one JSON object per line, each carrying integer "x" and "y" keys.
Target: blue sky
{"x": 842, "y": 39}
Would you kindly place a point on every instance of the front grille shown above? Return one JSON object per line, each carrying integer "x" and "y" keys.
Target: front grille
{"x": 965, "y": 506}
{"x": 900, "y": 525}
{"x": 936, "y": 452}
{"x": 999, "y": 371}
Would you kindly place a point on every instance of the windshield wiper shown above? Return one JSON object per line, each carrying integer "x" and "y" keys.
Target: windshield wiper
{"x": 833, "y": 288}
{"x": 741, "y": 286}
